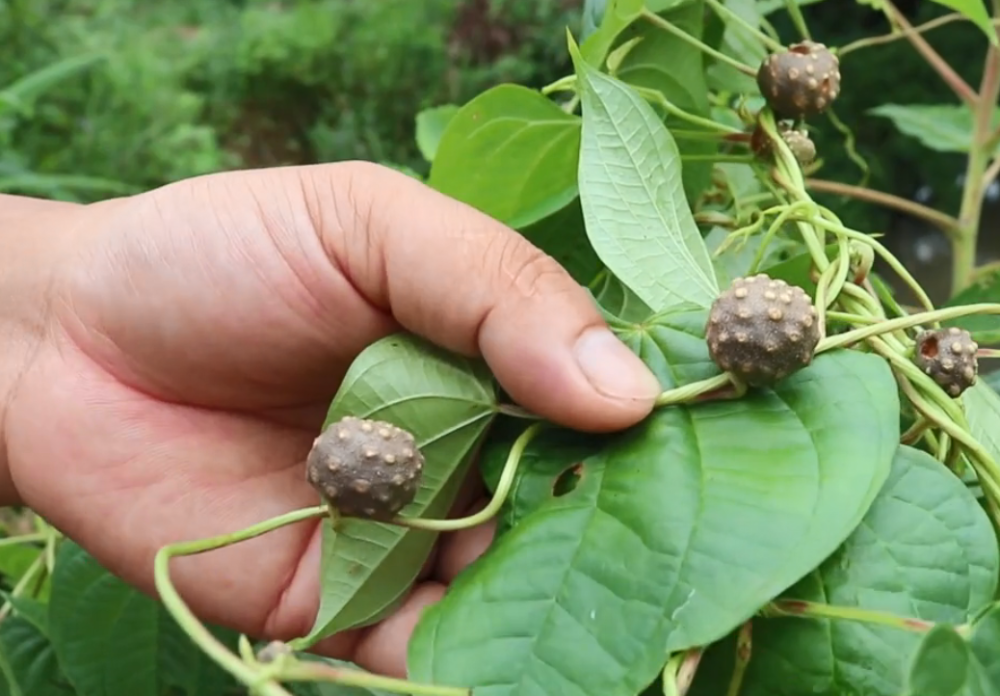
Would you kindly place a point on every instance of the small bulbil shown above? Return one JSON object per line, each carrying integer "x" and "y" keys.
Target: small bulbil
{"x": 801, "y": 81}
{"x": 365, "y": 468}
{"x": 762, "y": 330}
{"x": 798, "y": 142}
{"x": 949, "y": 357}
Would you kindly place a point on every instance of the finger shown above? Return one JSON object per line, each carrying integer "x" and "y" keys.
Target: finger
{"x": 470, "y": 284}
{"x": 383, "y": 649}
{"x": 461, "y": 548}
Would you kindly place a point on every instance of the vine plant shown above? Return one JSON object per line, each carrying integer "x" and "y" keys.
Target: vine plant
{"x": 832, "y": 530}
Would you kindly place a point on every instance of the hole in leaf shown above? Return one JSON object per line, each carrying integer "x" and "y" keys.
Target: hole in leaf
{"x": 567, "y": 480}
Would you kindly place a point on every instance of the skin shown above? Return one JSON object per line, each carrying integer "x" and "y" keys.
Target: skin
{"x": 169, "y": 359}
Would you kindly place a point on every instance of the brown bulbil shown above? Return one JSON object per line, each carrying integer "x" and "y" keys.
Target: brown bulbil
{"x": 798, "y": 142}
{"x": 802, "y": 81}
{"x": 365, "y": 468}
{"x": 762, "y": 330}
{"x": 949, "y": 357}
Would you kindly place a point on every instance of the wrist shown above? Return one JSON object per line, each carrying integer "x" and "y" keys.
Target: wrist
{"x": 31, "y": 231}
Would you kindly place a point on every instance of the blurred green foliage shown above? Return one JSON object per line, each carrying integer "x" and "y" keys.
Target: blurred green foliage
{"x": 128, "y": 95}
{"x": 161, "y": 91}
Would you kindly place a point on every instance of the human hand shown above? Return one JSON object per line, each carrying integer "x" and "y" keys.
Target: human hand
{"x": 184, "y": 345}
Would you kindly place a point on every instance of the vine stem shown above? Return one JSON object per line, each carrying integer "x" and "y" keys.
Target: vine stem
{"x": 186, "y": 619}
{"x": 659, "y": 21}
{"x": 948, "y": 224}
{"x": 795, "y": 12}
{"x": 959, "y": 86}
{"x": 802, "y": 609}
{"x": 303, "y": 671}
{"x": 896, "y": 36}
{"x": 906, "y": 322}
{"x": 499, "y": 497}
{"x": 658, "y": 97}
{"x": 691, "y": 391}
{"x": 744, "y": 649}
{"x": 722, "y": 10}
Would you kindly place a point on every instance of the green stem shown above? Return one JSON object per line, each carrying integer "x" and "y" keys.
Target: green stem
{"x": 744, "y": 648}
{"x": 312, "y": 671}
{"x": 851, "y": 318}
{"x": 795, "y": 12}
{"x": 965, "y": 245}
{"x": 689, "y": 392}
{"x": 886, "y": 255}
{"x": 670, "y": 670}
{"x": 946, "y": 223}
{"x": 916, "y": 378}
{"x": 654, "y": 18}
{"x": 688, "y": 669}
{"x": 738, "y": 159}
{"x": 803, "y": 609}
{"x": 906, "y": 322}
{"x": 24, "y": 538}
{"x": 26, "y": 579}
{"x": 517, "y": 412}
{"x": 499, "y": 497}
{"x": 197, "y": 631}
{"x": 724, "y": 11}
{"x": 658, "y": 97}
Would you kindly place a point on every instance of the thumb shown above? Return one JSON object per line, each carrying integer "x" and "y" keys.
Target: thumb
{"x": 466, "y": 282}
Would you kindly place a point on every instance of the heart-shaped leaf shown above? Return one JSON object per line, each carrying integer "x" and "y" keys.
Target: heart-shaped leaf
{"x": 447, "y": 402}
{"x": 615, "y": 16}
{"x": 925, "y": 550}
{"x": 113, "y": 640}
{"x": 946, "y": 664}
{"x": 704, "y": 526}
{"x": 638, "y": 219}
{"x": 28, "y": 661}
{"x": 511, "y": 153}
{"x": 976, "y": 11}
{"x": 563, "y": 236}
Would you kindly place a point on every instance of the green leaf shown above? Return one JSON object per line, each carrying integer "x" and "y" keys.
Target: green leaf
{"x": 638, "y": 220}
{"x": 767, "y": 7}
{"x": 707, "y": 528}
{"x": 616, "y": 15}
{"x": 447, "y": 402}
{"x": 546, "y": 470}
{"x": 29, "y": 659}
{"x": 739, "y": 43}
{"x": 667, "y": 64}
{"x": 992, "y": 380}
{"x": 563, "y": 236}
{"x": 616, "y": 299}
{"x": 940, "y": 127}
{"x": 112, "y": 639}
{"x": 985, "y": 328}
{"x": 431, "y": 124}
{"x": 982, "y": 411}
{"x": 974, "y": 10}
{"x": 924, "y": 550}
{"x": 22, "y": 94}
{"x": 511, "y": 153}
{"x": 946, "y": 664}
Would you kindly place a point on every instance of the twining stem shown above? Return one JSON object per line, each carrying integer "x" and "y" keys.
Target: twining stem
{"x": 897, "y": 35}
{"x": 314, "y": 671}
{"x": 37, "y": 566}
{"x": 658, "y": 97}
{"x": 802, "y": 609}
{"x": 906, "y": 322}
{"x": 933, "y": 58}
{"x": 688, "y": 669}
{"x": 795, "y": 12}
{"x": 499, "y": 496}
{"x": 744, "y": 645}
{"x": 24, "y": 538}
{"x": 882, "y": 251}
{"x": 196, "y": 630}
{"x": 689, "y": 392}
{"x": 659, "y": 21}
{"x": 946, "y": 223}
{"x": 735, "y": 18}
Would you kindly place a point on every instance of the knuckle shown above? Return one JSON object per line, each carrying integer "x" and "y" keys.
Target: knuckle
{"x": 525, "y": 269}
